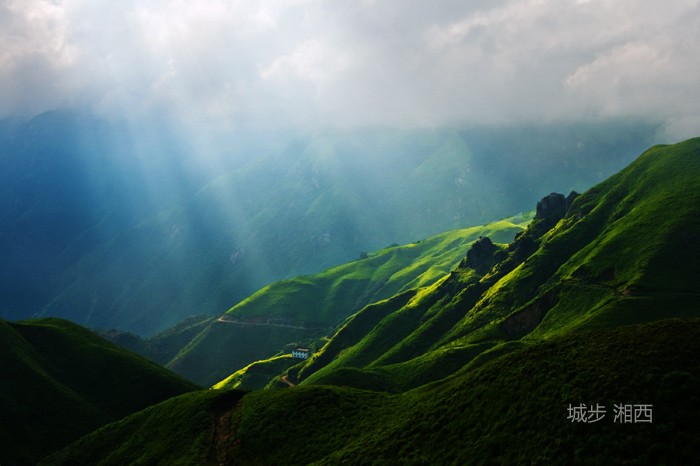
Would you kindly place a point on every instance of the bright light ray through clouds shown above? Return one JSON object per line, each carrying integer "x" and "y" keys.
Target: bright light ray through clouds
{"x": 271, "y": 100}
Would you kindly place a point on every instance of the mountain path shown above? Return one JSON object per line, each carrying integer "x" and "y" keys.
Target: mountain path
{"x": 285, "y": 379}
{"x": 260, "y": 324}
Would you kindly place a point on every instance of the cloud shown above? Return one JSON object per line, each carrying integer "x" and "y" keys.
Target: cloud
{"x": 33, "y": 47}
{"x": 309, "y": 62}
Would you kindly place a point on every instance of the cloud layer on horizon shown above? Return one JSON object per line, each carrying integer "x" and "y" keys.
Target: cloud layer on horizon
{"x": 372, "y": 62}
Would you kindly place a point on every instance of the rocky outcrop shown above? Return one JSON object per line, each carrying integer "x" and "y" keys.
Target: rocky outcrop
{"x": 485, "y": 255}
{"x": 482, "y": 255}
{"x": 551, "y": 209}
{"x": 552, "y": 206}
{"x": 570, "y": 199}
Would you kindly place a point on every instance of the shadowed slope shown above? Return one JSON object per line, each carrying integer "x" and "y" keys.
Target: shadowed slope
{"x": 60, "y": 381}
{"x": 513, "y": 410}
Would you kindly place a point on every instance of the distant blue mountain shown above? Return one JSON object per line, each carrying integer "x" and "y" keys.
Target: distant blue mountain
{"x": 115, "y": 226}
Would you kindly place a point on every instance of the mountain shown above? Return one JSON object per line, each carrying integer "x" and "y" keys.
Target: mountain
{"x": 300, "y": 310}
{"x": 576, "y": 343}
{"x": 608, "y": 257}
{"x": 61, "y": 381}
{"x": 511, "y": 410}
{"x": 136, "y": 228}
{"x": 69, "y": 183}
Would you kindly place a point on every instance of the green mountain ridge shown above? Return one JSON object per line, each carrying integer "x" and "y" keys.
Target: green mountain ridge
{"x": 512, "y": 410}
{"x": 303, "y": 309}
{"x": 196, "y": 228}
{"x": 594, "y": 304}
{"x": 61, "y": 381}
{"x": 608, "y": 262}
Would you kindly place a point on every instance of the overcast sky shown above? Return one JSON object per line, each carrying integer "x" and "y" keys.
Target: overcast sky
{"x": 353, "y": 62}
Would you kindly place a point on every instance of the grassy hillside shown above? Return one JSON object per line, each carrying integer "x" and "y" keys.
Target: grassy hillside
{"x": 164, "y": 346}
{"x": 512, "y": 410}
{"x": 300, "y": 310}
{"x": 258, "y": 374}
{"x": 223, "y": 348}
{"x": 278, "y": 215}
{"x": 328, "y": 297}
{"x": 184, "y": 430}
{"x": 60, "y": 381}
{"x": 486, "y": 364}
{"x": 147, "y": 227}
{"x": 624, "y": 252}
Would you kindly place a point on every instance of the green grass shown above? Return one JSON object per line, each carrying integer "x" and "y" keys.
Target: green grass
{"x": 354, "y": 331}
{"x": 388, "y": 332}
{"x": 319, "y": 304}
{"x": 627, "y": 252}
{"x": 295, "y": 207}
{"x": 327, "y": 298}
{"x": 257, "y": 375}
{"x": 481, "y": 367}
{"x": 61, "y": 381}
{"x": 179, "y": 431}
{"x": 164, "y": 346}
{"x": 511, "y": 409}
{"x": 224, "y": 348}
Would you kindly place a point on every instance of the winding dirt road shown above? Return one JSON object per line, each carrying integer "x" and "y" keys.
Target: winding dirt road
{"x": 285, "y": 379}
{"x": 226, "y": 320}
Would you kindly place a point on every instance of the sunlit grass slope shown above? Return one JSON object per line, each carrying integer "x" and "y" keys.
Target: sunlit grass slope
{"x": 511, "y": 410}
{"x": 258, "y": 374}
{"x": 627, "y": 251}
{"x": 60, "y": 381}
{"x": 596, "y": 302}
{"x": 302, "y": 309}
{"x": 327, "y": 298}
{"x": 186, "y": 234}
{"x": 224, "y": 348}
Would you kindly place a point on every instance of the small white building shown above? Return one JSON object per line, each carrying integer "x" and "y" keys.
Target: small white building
{"x": 301, "y": 353}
